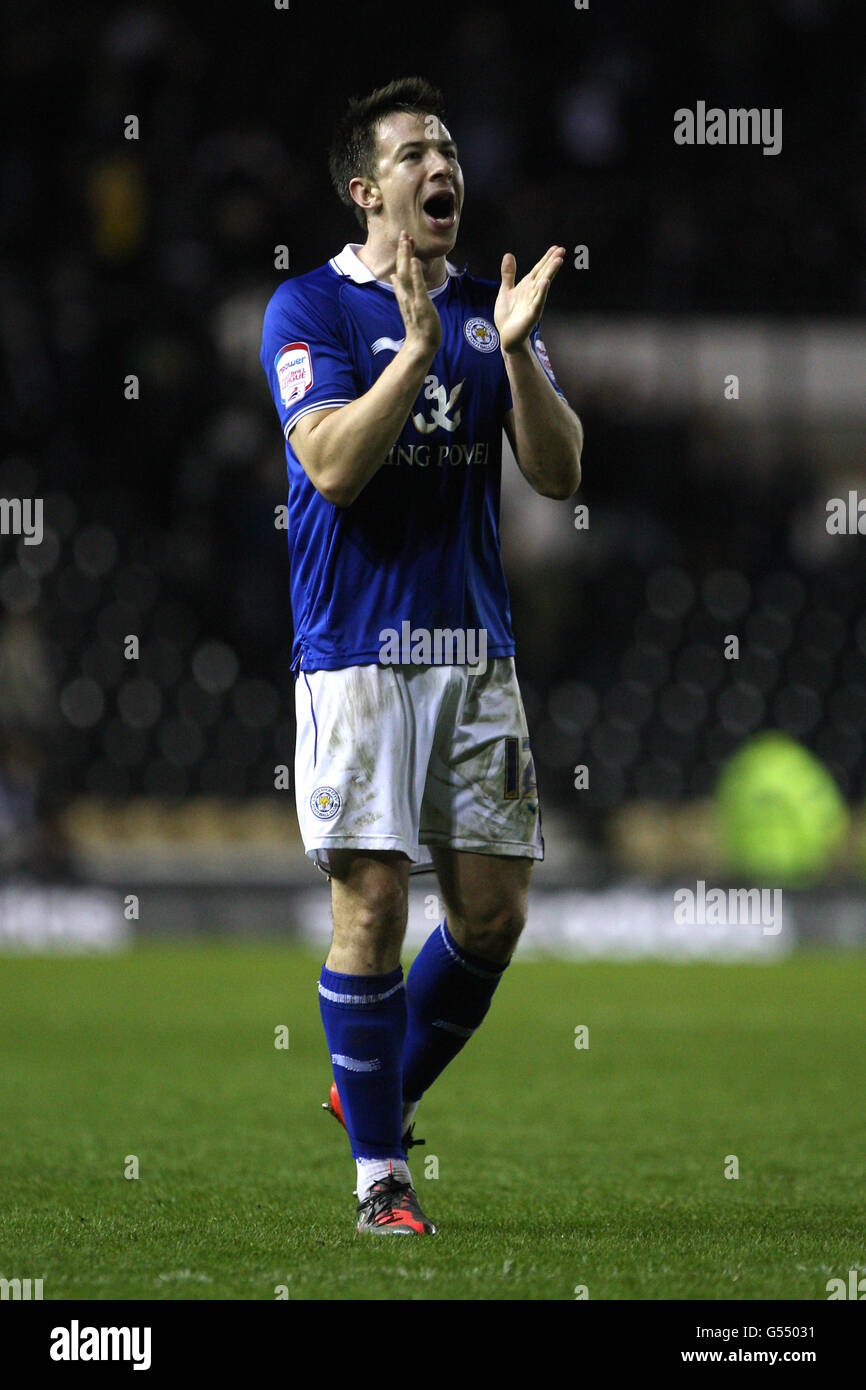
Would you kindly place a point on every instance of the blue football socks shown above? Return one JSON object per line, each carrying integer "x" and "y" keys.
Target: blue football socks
{"x": 365, "y": 1025}
{"x": 448, "y": 993}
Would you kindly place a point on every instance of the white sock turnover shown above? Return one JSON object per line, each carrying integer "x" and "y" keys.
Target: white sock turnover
{"x": 372, "y": 1170}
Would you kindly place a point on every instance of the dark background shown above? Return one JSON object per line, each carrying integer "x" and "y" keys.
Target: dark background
{"x": 156, "y": 257}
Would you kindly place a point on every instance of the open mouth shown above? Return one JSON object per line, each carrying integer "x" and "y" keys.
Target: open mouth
{"x": 440, "y": 209}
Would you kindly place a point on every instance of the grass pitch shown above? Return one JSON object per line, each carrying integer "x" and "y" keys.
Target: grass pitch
{"x": 557, "y": 1166}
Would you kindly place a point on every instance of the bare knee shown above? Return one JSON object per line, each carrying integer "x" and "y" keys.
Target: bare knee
{"x": 488, "y": 921}
{"x": 493, "y": 935}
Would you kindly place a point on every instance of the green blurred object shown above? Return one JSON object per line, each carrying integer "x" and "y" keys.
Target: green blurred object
{"x": 780, "y": 811}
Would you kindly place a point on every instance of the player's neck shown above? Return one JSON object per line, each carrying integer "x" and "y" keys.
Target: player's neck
{"x": 382, "y": 261}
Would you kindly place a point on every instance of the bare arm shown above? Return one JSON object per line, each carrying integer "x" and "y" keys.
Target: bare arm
{"x": 543, "y": 430}
{"x": 341, "y": 449}
{"x": 545, "y": 433}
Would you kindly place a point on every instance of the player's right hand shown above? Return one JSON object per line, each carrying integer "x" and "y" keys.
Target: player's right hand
{"x": 419, "y": 313}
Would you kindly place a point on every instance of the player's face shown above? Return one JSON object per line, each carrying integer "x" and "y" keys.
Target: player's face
{"x": 420, "y": 182}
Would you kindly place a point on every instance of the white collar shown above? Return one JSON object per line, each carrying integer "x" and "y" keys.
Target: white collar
{"x": 349, "y": 263}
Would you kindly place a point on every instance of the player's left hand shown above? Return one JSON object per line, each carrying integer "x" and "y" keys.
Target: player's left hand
{"x": 519, "y": 307}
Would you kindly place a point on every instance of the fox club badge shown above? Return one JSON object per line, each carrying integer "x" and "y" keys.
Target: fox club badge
{"x": 481, "y": 334}
{"x": 325, "y": 803}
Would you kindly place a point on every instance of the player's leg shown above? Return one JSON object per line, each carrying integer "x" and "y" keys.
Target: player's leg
{"x": 486, "y": 897}
{"x": 363, "y": 1007}
{"x": 363, "y": 1003}
{"x": 361, "y": 761}
{"x": 480, "y": 820}
{"x": 457, "y": 971}
{"x": 369, "y": 905}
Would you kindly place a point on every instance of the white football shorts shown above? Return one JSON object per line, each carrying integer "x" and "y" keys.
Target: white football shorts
{"x": 399, "y": 757}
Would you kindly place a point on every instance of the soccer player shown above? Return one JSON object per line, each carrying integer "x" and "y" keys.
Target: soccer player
{"x": 393, "y": 375}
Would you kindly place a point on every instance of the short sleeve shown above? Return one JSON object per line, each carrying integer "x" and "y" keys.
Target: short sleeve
{"x": 541, "y": 353}
{"x": 307, "y": 364}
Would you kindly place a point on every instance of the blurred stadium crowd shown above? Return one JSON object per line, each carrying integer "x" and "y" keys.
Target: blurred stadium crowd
{"x": 156, "y": 257}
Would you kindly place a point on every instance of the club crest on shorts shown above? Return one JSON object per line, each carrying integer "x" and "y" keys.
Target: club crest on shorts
{"x": 481, "y": 334}
{"x": 325, "y": 803}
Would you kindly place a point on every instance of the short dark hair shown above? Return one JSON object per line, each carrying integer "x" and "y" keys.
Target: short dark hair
{"x": 353, "y": 147}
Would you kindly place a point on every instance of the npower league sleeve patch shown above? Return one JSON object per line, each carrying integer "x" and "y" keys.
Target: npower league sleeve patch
{"x": 294, "y": 371}
{"x": 541, "y": 354}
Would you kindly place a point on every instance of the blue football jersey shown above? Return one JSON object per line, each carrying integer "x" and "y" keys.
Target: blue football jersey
{"x": 420, "y": 544}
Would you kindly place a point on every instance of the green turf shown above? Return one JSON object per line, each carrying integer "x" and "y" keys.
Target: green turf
{"x": 557, "y": 1167}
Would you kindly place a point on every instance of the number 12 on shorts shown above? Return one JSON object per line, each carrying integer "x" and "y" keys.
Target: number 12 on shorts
{"x": 512, "y": 769}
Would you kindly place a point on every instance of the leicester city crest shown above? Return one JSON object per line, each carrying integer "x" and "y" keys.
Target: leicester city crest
{"x": 481, "y": 334}
{"x": 325, "y": 803}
